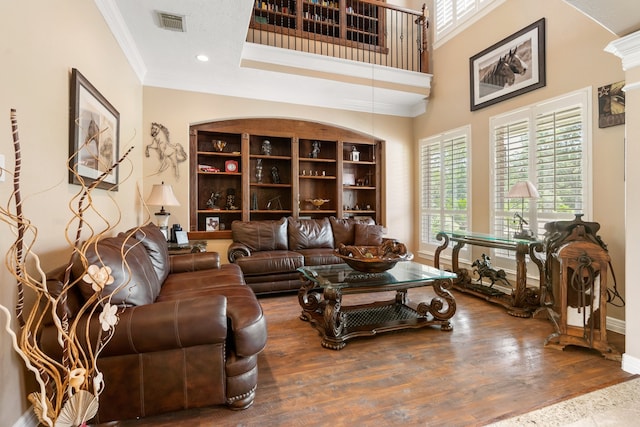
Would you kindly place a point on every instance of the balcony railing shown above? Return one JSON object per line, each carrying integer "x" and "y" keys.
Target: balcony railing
{"x": 369, "y": 31}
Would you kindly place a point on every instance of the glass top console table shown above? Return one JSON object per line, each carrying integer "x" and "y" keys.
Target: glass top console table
{"x": 523, "y": 300}
{"x": 323, "y": 287}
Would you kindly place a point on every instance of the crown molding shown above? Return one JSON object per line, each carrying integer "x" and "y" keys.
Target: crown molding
{"x": 116, "y": 24}
{"x": 628, "y": 49}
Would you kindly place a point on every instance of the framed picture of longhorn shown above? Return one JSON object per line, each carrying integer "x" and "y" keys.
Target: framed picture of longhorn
{"x": 511, "y": 67}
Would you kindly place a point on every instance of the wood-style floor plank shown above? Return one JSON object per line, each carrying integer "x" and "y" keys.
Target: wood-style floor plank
{"x": 490, "y": 367}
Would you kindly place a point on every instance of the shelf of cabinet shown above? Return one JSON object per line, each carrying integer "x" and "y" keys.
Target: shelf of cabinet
{"x": 299, "y": 149}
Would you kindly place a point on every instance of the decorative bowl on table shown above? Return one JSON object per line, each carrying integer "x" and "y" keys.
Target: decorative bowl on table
{"x": 374, "y": 259}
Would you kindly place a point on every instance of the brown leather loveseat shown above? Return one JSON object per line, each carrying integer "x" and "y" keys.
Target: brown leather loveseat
{"x": 269, "y": 252}
{"x": 189, "y": 330}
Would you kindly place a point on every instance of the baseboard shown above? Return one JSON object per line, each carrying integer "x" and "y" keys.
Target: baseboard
{"x": 630, "y": 364}
{"x": 28, "y": 419}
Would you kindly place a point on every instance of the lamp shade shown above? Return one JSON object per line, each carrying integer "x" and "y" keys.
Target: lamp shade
{"x": 524, "y": 189}
{"x": 162, "y": 195}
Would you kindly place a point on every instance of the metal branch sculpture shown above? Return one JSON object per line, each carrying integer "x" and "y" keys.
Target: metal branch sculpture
{"x": 69, "y": 389}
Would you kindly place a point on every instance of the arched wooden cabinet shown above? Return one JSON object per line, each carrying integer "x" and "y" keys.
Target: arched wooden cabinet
{"x": 577, "y": 270}
{"x": 267, "y": 168}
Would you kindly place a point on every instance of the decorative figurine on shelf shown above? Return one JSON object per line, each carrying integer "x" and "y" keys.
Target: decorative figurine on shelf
{"x": 315, "y": 150}
{"x": 231, "y": 200}
{"x": 254, "y": 201}
{"x": 212, "y": 203}
{"x": 275, "y": 175}
{"x": 266, "y": 147}
{"x": 259, "y": 171}
{"x": 274, "y": 204}
{"x": 355, "y": 154}
{"x": 219, "y": 145}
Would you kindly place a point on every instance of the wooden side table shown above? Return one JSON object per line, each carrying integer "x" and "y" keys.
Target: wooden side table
{"x": 192, "y": 247}
{"x": 523, "y": 300}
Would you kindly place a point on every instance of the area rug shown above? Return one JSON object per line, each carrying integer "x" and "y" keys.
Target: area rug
{"x": 617, "y": 405}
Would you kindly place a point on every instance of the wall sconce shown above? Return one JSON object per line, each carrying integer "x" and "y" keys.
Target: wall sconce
{"x": 162, "y": 195}
{"x": 523, "y": 190}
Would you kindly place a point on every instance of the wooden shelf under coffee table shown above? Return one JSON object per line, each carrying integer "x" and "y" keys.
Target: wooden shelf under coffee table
{"x": 323, "y": 287}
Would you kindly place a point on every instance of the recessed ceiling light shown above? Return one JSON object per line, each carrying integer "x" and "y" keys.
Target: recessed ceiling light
{"x": 202, "y": 58}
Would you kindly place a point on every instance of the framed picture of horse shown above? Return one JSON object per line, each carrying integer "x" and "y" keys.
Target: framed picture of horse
{"x": 94, "y": 129}
{"x": 511, "y": 67}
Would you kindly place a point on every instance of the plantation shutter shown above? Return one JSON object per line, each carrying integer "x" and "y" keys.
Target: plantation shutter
{"x": 444, "y": 189}
{"x": 559, "y": 163}
{"x": 546, "y": 144}
{"x": 511, "y": 165}
{"x": 463, "y": 7}
{"x": 444, "y": 15}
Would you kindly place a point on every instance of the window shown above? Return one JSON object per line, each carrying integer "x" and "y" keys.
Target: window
{"x": 453, "y": 16}
{"x": 549, "y": 145}
{"x": 444, "y": 185}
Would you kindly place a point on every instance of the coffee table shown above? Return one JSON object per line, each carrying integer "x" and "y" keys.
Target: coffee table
{"x": 323, "y": 287}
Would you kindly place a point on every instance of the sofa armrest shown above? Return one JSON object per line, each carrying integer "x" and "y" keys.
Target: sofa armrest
{"x": 237, "y": 250}
{"x": 194, "y": 262}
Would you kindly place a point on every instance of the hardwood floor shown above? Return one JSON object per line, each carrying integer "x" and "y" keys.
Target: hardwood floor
{"x": 492, "y": 366}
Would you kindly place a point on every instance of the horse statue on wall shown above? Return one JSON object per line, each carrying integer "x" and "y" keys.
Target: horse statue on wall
{"x": 170, "y": 154}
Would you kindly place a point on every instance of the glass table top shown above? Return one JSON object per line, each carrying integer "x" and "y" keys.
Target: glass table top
{"x": 470, "y": 235}
{"x": 343, "y": 276}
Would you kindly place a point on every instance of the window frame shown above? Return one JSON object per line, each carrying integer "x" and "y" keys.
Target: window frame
{"x": 582, "y": 98}
{"x": 429, "y": 245}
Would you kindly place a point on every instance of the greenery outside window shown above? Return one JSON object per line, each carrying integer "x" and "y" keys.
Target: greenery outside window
{"x": 444, "y": 185}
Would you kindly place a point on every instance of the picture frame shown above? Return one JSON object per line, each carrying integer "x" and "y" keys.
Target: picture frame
{"x": 182, "y": 238}
{"x": 94, "y": 132}
{"x": 212, "y": 223}
{"x": 509, "y": 68}
{"x": 611, "y": 105}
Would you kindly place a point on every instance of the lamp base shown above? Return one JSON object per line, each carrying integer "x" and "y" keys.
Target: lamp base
{"x": 162, "y": 219}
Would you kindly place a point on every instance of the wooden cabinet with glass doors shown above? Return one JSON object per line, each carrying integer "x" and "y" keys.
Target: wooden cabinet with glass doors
{"x": 256, "y": 169}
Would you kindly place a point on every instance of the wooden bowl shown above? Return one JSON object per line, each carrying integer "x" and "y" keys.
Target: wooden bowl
{"x": 373, "y": 259}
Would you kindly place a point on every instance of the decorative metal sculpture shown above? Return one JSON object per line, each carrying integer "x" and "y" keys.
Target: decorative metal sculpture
{"x": 482, "y": 267}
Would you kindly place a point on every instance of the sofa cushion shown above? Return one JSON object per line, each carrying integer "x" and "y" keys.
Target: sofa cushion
{"x": 344, "y": 229}
{"x": 319, "y": 256}
{"x": 266, "y": 262}
{"x": 139, "y": 286}
{"x": 368, "y": 235}
{"x": 156, "y": 245}
{"x": 264, "y": 235}
{"x": 309, "y": 233}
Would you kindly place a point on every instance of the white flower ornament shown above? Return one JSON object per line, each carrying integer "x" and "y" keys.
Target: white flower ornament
{"x": 108, "y": 318}
{"x": 99, "y": 277}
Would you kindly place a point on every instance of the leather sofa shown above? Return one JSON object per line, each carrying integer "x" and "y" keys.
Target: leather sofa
{"x": 268, "y": 252}
{"x": 189, "y": 330}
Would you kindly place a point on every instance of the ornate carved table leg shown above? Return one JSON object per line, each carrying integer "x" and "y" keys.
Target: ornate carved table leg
{"x": 308, "y": 298}
{"x": 440, "y": 311}
{"x": 333, "y": 320}
{"x": 519, "y": 297}
{"x": 443, "y": 246}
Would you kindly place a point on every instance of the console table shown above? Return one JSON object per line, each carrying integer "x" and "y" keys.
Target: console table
{"x": 523, "y": 300}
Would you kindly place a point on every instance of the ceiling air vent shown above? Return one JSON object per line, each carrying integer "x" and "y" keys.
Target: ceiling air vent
{"x": 171, "y": 22}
